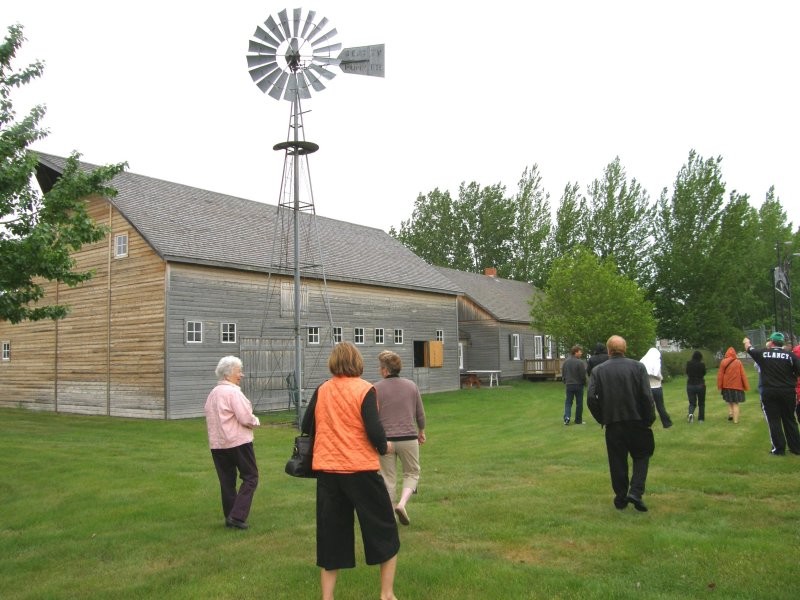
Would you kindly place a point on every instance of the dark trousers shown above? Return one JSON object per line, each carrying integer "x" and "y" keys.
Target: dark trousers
{"x": 574, "y": 392}
{"x": 697, "y": 398}
{"x": 632, "y": 438}
{"x": 779, "y": 405}
{"x": 229, "y": 462}
{"x": 658, "y": 399}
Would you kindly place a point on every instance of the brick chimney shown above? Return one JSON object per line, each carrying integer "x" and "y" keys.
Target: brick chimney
{"x": 490, "y": 272}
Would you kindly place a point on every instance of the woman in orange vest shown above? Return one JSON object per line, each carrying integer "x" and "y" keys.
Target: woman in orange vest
{"x": 348, "y": 438}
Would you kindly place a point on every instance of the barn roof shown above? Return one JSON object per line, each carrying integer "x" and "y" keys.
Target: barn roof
{"x": 503, "y": 299}
{"x": 192, "y": 225}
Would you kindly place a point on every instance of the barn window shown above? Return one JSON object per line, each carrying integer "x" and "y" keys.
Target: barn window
{"x": 440, "y": 335}
{"x": 398, "y": 336}
{"x": 6, "y": 350}
{"x": 379, "y": 335}
{"x": 121, "y": 245}
{"x": 228, "y": 333}
{"x": 287, "y": 298}
{"x": 513, "y": 346}
{"x": 337, "y": 335}
{"x": 194, "y": 332}
{"x": 358, "y": 335}
{"x": 313, "y": 335}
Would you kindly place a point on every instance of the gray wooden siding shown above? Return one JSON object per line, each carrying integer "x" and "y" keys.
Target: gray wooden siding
{"x": 213, "y": 296}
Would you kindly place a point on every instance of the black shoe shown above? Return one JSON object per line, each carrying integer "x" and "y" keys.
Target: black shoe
{"x": 667, "y": 425}
{"x": 777, "y": 453}
{"x": 637, "y": 503}
{"x": 236, "y": 523}
{"x": 566, "y": 420}
{"x": 620, "y": 503}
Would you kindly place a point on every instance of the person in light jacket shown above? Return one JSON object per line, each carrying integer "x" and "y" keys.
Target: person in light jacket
{"x": 732, "y": 382}
{"x": 652, "y": 362}
{"x": 230, "y": 421}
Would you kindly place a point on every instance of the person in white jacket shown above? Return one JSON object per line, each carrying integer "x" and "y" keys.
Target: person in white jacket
{"x": 652, "y": 362}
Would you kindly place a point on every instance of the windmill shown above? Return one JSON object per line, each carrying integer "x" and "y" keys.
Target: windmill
{"x": 286, "y": 59}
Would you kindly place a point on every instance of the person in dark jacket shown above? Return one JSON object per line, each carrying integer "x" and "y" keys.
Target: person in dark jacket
{"x": 573, "y": 373}
{"x": 696, "y": 385}
{"x": 779, "y": 372}
{"x": 620, "y": 399}
{"x": 598, "y": 356}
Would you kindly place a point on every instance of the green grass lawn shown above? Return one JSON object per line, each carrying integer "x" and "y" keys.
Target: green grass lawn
{"x": 512, "y": 504}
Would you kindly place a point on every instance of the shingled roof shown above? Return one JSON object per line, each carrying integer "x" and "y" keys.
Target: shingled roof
{"x": 191, "y": 225}
{"x": 504, "y": 299}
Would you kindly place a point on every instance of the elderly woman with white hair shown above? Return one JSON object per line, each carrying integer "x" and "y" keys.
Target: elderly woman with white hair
{"x": 230, "y": 421}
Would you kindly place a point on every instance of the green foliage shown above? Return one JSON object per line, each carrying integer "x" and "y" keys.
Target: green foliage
{"x": 38, "y": 234}
{"x": 586, "y": 301}
{"x": 128, "y": 509}
{"x": 618, "y": 222}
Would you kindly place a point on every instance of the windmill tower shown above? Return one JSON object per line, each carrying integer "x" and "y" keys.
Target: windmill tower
{"x": 286, "y": 59}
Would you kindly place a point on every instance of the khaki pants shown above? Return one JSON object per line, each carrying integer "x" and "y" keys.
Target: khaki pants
{"x": 407, "y": 451}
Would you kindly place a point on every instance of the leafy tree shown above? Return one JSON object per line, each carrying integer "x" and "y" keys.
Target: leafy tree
{"x": 432, "y": 230}
{"x": 532, "y": 226}
{"x": 570, "y": 227}
{"x": 586, "y": 300}
{"x": 488, "y": 218}
{"x": 38, "y": 233}
{"x": 619, "y": 221}
{"x": 686, "y": 232}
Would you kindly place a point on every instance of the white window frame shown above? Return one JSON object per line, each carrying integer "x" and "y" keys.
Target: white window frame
{"x": 337, "y": 335}
{"x": 398, "y": 337}
{"x": 313, "y": 335}
{"x": 461, "y": 356}
{"x": 537, "y": 347}
{"x": 440, "y": 335}
{"x": 121, "y": 245}
{"x": 227, "y": 333}
{"x": 380, "y": 336}
{"x": 515, "y": 346}
{"x": 6, "y": 352}
{"x": 193, "y": 335}
{"x": 358, "y": 335}
{"x": 548, "y": 346}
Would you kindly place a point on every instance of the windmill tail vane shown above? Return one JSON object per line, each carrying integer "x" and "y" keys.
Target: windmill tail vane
{"x": 289, "y": 57}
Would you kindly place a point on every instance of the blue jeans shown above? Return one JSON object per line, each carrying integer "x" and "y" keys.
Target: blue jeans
{"x": 574, "y": 391}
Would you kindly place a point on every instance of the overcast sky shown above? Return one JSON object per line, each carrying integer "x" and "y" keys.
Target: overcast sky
{"x": 474, "y": 91}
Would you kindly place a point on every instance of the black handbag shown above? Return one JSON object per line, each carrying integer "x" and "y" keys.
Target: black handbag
{"x": 299, "y": 465}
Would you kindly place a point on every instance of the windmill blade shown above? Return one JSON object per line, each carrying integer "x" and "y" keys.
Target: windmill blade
{"x": 308, "y": 23}
{"x": 255, "y": 47}
{"x": 302, "y": 86}
{"x": 273, "y": 28}
{"x": 322, "y": 71}
{"x": 327, "y": 60}
{"x": 261, "y": 72}
{"x": 324, "y": 38}
{"x": 315, "y": 82}
{"x": 260, "y": 60}
{"x": 327, "y": 49}
{"x": 277, "y": 89}
{"x": 296, "y": 21}
{"x": 317, "y": 29}
{"x": 262, "y": 35}
{"x": 268, "y": 82}
{"x": 283, "y": 17}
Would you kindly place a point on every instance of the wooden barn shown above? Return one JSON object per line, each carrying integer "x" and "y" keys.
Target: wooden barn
{"x": 494, "y": 328}
{"x": 186, "y": 276}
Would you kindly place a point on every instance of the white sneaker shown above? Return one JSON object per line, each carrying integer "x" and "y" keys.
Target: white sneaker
{"x": 691, "y": 418}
